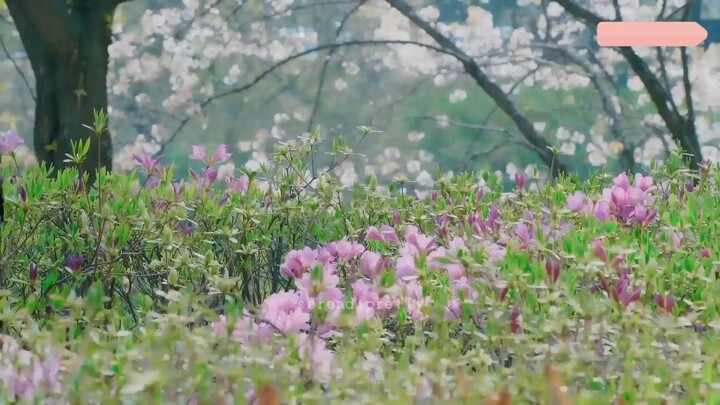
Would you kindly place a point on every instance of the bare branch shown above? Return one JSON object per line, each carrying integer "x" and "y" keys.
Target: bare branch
{"x": 326, "y": 64}
{"x": 284, "y": 62}
{"x": 614, "y": 112}
{"x": 18, "y": 69}
{"x": 660, "y": 96}
{"x": 491, "y": 88}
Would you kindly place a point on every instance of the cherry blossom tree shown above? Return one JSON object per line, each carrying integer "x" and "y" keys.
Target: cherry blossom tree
{"x": 252, "y": 74}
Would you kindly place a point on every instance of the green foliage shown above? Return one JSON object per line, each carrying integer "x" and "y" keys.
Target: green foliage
{"x": 131, "y": 277}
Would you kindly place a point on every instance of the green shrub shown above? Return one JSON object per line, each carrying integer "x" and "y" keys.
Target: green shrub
{"x": 281, "y": 283}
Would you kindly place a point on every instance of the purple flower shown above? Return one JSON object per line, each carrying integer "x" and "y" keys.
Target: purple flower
{"x": 75, "y": 262}
{"x": 148, "y": 163}
{"x": 23, "y": 195}
{"x": 10, "y": 141}
{"x": 33, "y": 272}
{"x": 623, "y": 294}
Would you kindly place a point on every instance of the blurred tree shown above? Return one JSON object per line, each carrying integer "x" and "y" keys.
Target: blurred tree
{"x": 67, "y": 44}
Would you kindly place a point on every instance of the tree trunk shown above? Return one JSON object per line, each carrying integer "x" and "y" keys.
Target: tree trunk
{"x": 67, "y": 44}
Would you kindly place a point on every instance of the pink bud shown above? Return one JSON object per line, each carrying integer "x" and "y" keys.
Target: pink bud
{"x": 599, "y": 250}
{"x": 520, "y": 180}
{"x": 552, "y": 268}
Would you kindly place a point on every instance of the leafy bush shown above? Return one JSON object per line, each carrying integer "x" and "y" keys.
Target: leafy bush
{"x": 281, "y": 286}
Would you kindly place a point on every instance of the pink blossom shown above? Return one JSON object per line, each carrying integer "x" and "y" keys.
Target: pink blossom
{"x": 386, "y": 234}
{"x": 599, "y": 250}
{"x": 624, "y": 294}
{"x": 313, "y": 287}
{"x": 148, "y": 163}
{"x": 220, "y": 155}
{"x": 455, "y": 270}
{"x": 299, "y": 261}
{"x": 520, "y": 180}
{"x": 198, "y": 153}
{"x": 601, "y": 210}
{"x": 314, "y": 350}
{"x": 405, "y": 267}
{"x": 286, "y": 311}
{"x": 240, "y": 185}
{"x": 10, "y": 141}
{"x": 579, "y": 202}
{"x": 417, "y": 242}
{"x": 645, "y": 183}
{"x": 665, "y": 302}
{"x": 370, "y": 264}
{"x": 415, "y": 300}
{"x": 345, "y": 250}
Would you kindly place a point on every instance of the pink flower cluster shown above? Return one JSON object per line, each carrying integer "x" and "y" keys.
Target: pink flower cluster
{"x": 629, "y": 204}
{"x": 317, "y": 273}
{"x": 22, "y": 373}
{"x": 205, "y": 180}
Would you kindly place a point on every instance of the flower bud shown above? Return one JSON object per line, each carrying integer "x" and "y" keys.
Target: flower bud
{"x": 33, "y": 273}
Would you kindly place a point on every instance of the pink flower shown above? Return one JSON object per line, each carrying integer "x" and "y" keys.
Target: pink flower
{"x": 365, "y": 292}
{"x": 148, "y": 163}
{"x": 601, "y": 210}
{"x": 578, "y": 202}
{"x": 198, "y": 153}
{"x": 370, "y": 264}
{"x": 240, "y": 185}
{"x": 622, "y": 181}
{"x": 599, "y": 250}
{"x": 10, "y": 141}
{"x": 705, "y": 253}
{"x": 645, "y": 183}
{"x": 286, "y": 311}
{"x": 665, "y": 302}
{"x": 552, "y": 268}
{"x": 314, "y": 350}
{"x": 345, "y": 250}
{"x": 221, "y": 154}
{"x": 405, "y": 267}
{"x": 527, "y": 235}
{"x": 386, "y": 234}
{"x": 455, "y": 270}
{"x": 207, "y": 179}
{"x": 299, "y": 261}
{"x": 417, "y": 242}
{"x": 313, "y": 287}
{"x": 495, "y": 251}
{"x": 623, "y": 294}
{"x": 415, "y": 300}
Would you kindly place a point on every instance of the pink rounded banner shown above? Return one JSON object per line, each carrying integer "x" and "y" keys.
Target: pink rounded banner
{"x": 662, "y": 33}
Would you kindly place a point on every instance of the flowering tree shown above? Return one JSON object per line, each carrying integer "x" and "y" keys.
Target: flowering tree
{"x": 529, "y": 69}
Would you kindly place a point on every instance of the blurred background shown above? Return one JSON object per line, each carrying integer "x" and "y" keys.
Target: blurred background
{"x": 257, "y": 73}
